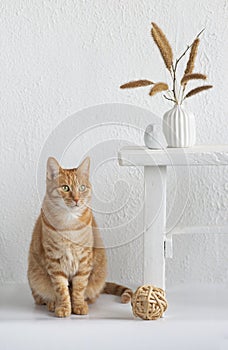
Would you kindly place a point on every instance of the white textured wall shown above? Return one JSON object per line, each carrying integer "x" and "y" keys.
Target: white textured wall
{"x": 58, "y": 57}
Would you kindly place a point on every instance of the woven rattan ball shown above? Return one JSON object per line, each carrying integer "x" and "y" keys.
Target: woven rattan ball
{"x": 148, "y": 302}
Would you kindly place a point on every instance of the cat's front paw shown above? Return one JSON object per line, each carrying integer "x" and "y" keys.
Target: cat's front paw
{"x": 63, "y": 311}
{"x": 51, "y": 306}
{"x": 80, "y": 309}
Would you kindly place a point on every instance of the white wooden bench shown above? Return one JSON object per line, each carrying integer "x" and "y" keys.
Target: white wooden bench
{"x": 158, "y": 245}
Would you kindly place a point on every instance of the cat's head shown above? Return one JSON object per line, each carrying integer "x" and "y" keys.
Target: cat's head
{"x": 69, "y": 188}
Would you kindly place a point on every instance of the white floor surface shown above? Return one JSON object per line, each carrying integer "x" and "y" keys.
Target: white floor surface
{"x": 197, "y": 318}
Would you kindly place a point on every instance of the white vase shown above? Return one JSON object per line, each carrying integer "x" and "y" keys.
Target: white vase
{"x": 179, "y": 127}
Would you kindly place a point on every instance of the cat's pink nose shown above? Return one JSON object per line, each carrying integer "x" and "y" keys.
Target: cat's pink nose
{"x": 76, "y": 200}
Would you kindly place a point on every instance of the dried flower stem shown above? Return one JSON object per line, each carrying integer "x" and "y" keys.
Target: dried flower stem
{"x": 192, "y": 76}
{"x": 189, "y": 46}
{"x": 170, "y": 99}
{"x": 197, "y": 90}
{"x": 167, "y": 55}
{"x": 174, "y": 67}
{"x": 135, "y": 84}
{"x": 158, "y": 88}
{"x": 192, "y": 57}
{"x": 191, "y": 60}
{"x": 163, "y": 44}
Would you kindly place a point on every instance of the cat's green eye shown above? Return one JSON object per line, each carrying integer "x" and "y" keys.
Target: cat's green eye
{"x": 65, "y": 188}
{"x": 82, "y": 188}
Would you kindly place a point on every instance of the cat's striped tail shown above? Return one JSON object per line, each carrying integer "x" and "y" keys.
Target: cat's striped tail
{"x": 116, "y": 289}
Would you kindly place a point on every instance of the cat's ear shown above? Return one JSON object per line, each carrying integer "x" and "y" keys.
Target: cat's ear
{"x": 84, "y": 167}
{"x": 52, "y": 168}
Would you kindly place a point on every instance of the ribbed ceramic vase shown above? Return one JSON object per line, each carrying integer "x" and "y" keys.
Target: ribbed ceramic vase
{"x": 179, "y": 127}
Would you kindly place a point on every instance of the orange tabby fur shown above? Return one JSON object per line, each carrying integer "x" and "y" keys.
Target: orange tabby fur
{"x": 67, "y": 260}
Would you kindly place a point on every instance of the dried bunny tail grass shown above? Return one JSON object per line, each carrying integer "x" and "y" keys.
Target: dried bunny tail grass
{"x": 192, "y": 57}
{"x": 163, "y": 45}
{"x": 197, "y": 90}
{"x": 135, "y": 84}
{"x": 192, "y": 76}
{"x": 158, "y": 88}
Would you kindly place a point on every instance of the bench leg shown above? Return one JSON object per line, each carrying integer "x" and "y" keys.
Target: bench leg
{"x": 154, "y": 225}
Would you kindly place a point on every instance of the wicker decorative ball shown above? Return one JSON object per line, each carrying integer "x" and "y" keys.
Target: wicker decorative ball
{"x": 148, "y": 302}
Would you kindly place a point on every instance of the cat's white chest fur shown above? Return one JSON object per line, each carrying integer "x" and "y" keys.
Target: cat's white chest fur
{"x": 69, "y": 262}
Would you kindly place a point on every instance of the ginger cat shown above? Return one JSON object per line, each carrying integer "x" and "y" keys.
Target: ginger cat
{"x": 67, "y": 261}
